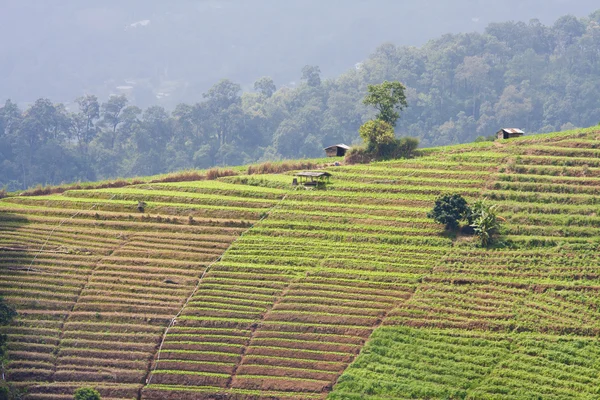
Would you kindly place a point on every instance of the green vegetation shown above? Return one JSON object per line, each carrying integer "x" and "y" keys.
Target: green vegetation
{"x": 450, "y": 210}
{"x": 86, "y": 394}
{"x": 7, "y": 314}
{"x": 376, "y": 133}
{"x": 380, "y": 144}
{"x": 484, "y": 220}
{"x": 389, "y": 99}
{"x": 274, "y": 291}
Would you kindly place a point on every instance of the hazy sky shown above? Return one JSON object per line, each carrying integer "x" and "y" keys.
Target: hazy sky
{"x": 62, "y": 49}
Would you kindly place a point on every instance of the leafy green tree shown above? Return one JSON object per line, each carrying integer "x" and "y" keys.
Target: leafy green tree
{"x": 485, "y": 221}
{"x": 10, "y": 117}
{"x": 265, "y": 86}
{"x": 474, "y": 73}
{"x": 89, "y": 112}
{"x": 514, "y": 107}
{"x": 289, "y": 137}
{"x": 223, "y": 110}
{"x": 389, "y": 99}
{"x": 40, "y": 123}
{"x": 112, "y": 115}
{"x": 312, "y": 75}
{"x": 86, "y": 394}
{"x": 450, "y": 210}
{"x": 376, "y": 133}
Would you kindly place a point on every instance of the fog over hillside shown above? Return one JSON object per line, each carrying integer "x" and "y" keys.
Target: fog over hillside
{"x": 164, "y": 53}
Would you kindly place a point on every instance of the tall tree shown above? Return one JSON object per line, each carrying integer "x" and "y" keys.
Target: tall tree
{"x": 473, "y": 72}
{"x": 42, "y": 122}
{"x": 389, "y": 99}
{"x": 85, "y": 120}
{"x": 223, "y": 107}
{"x": 311, "y": 74}
{"x": 112, "y": 116}
{"x": 265, "y": 86}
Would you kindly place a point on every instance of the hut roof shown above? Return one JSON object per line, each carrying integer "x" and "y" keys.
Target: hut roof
{"x": 511, "y": 130}
{"x": 343, "y": 146}
{"x": 313, "y": 174}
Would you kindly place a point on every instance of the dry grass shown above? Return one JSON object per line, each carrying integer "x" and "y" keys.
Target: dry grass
{"x": 187, "y": 176}
{"x": 271, "y": 168}
{"x": 184, "y": 176}
{"x": 45, "y": 190}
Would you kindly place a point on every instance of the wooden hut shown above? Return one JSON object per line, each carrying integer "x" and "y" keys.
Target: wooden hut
{"x": 339, "y": 150}
{"x": 313, "y": 178}
{"x": 509, "y": 133}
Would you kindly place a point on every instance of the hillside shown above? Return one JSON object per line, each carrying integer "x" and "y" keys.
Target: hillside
{"x": 345, "y": 293}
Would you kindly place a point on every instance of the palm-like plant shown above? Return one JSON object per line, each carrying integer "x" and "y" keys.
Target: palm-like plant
{"x": 484, "y": 221}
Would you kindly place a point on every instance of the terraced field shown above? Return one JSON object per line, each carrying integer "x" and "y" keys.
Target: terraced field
{"x": 96, "y": 282}
{"x": 519, "y": 322}
{"x": 272, "y": 292}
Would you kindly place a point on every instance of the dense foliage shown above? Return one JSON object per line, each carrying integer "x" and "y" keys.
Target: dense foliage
{"x": 459, "y": 87}
{"x": 482, "y": 217}
{"x": 450, "y": 210}
{"x": 86, "y": 394}
{"x": 484, "y": 221}
{"x": 389, "y": 99}
{"x": 7, "y": 313}
{"x": 376, "y": 133}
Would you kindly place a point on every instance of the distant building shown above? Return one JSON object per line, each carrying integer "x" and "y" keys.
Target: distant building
{"x": 509, "y": 133}
{"x": 339, "y": 150}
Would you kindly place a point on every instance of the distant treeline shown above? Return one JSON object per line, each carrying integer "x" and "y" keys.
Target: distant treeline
{"x": 526, "y": 75}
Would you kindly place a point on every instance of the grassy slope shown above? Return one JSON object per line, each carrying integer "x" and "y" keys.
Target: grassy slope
{"x": 288, "y": 307}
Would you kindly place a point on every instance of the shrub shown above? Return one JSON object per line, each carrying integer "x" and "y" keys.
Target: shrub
{"x": 86, "y": 394}
{"x": 8, "y": 391}
{"x": 450, "y": 210}
{"x": 375, "y": 134}
{"x": 484, "y": 220}
{"x": 380, "y": 144}
{"x": 358, "y": 155}
{"x": 402, "y": 148}
{"x": 7, "y": 313}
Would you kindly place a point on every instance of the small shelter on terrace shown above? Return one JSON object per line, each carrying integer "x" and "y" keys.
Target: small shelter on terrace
{"x": 339, "y": 150}
{"x": 312, "y": 178}
{"x": 509, "y": 133}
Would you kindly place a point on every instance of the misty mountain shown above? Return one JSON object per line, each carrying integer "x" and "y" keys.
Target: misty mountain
{"x": 164, "y": 53}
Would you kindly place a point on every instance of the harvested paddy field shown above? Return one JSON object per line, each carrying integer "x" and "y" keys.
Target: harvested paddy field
{"x": 248, "y": 288}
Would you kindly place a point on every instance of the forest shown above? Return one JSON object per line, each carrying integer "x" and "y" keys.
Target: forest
{"x": 459, "y": 87}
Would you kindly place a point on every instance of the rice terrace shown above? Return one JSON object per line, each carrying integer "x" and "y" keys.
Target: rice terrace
{"x": 246, "y": 287}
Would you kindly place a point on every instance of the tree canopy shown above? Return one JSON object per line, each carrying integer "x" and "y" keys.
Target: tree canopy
{"x": 389, "y": 99}
{"x": 86, "y": 394}
{"x": 449, "y": 210}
